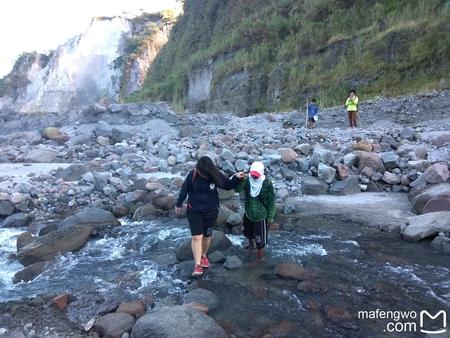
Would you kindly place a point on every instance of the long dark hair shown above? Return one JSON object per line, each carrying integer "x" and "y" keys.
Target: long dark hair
{"x": 206, "y": 167}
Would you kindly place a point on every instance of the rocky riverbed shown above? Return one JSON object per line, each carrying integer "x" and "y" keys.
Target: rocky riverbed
{"x": 88, "y": 196}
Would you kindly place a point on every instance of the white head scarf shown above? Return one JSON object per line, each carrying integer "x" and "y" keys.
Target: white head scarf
{"x": 257, "y": 169}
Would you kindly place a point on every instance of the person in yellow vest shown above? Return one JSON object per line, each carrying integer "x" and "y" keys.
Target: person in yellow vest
{"x": 352, "y": 108}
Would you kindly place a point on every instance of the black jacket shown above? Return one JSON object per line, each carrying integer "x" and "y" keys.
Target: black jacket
{"x": 202, "y": 192}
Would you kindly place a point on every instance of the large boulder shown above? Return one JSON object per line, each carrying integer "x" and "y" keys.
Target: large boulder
{"x": 380, "y": 210}
{"x": 218, "y": 242}
{"x": 16, "y": 220}
{"x": 370, "y": 160}
{"x": 437, "y": 173}
{"x": 288, "y": 155}
{"x": 326, "y": 173}
{"x": 114, "y": 325}
{"x": 426, "y": 225}
{"x": 41, "y": 155}
{"x": 31, "y": 272}
{"x": 202, "y": 296}
{"x": 6, "y": 208}
{"x": 431, "y": 196}
{"x": 441, "y": 243}
{"x": 73, "y": 172}
{"x": 313, "y": 186}
{"x": 175, "y": 322}
{"x": 96, "y": 218}
{"x": 54, "y": 134}
{"x": 321, "y": 155}
{"x": 390, "y": 159}
{"x": 346, "y": 187}
{"x": 56, "y": 242}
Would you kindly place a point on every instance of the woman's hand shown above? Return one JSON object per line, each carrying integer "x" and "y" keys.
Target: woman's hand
{"x": 240, "y": 175}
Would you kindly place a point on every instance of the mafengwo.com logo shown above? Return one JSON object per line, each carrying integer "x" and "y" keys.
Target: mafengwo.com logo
{"x": 428, "y": 322}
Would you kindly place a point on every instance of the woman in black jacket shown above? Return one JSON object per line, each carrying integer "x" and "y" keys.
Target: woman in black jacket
{"x": 200, "y": 186}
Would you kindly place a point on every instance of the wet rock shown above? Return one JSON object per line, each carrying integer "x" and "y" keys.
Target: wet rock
{"x": 164, "y": 201}
{"x": 60, "y": 241}
{"x": 346, "y": 187}
{"x": 24, "y": 239}
{"x": 370, "y": 160}
{"x": 31, "y": 272}
{"x": 437, "y": 173}
{"x": 423, "y": 197}
{"x": 41, "y": 155}
{"x": 96, "y": 218}
{"x": 204, "y": 297}
{"x": 311, "y": 287}
{"x": 321, "y": 155}
{"x": 73, "y": 172}
{"x": 135, "y": 308}
{"x": 145, "y": 212}
{"x": 441, "y": 243}
{"x": 120, "y": 210}
{"x": 217, "y": 257}
{"x": 175, "y": 322}
{"x": 336, "y": 314}
{"x": 16, "y": 220}
{"x": 114, "y": 324}
{"x": 326, "y": 173}
{"x": 218, "y": 242}
{"x": 288, "y": 155}
{"x": 294, "y": 271}
{"x": 60, "y": 302}
{"x": 232, "y": 262}
{"x": 426, "y": 225}
{"x": 6, "y": 208}
{"x": 313, "y": 186}
{"x": 17, "y": 197}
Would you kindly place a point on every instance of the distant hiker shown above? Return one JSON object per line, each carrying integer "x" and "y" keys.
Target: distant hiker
{"x": 259, "y": 208}
{"x": 352, "y": 108}
{"x": 313, "y": 111}
{"x": 200, "y": 186}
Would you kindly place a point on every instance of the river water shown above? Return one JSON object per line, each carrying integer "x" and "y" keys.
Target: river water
{"x": 359, "y": 269}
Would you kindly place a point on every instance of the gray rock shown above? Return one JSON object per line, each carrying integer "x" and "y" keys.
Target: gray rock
{"x": 427, "y": 225}
{"x": 379, "y": 210}
{"x": 228, "y": 155}
{"x": 439, "y": 155}
{"x": 350, "y": 159}
{"x": 326, "y": 173}
{"x": 423, "y": 197}
{"x": 73, "y": 172}
{"x": 390, "y": 159}
{"x": 419, "y": 165}
{"x": 282, "y": 193}
{"x": 234, "y": 219}
{"x": 16, "y": 220}
{"x": 390, "y": 178}
{"x": 346, "y": 187}
{"x": 321, "y": 155}
{"x": 303, "y": 165}
{"x": 408, "y": 133}
{"x": 114, "y": 324}
{"x": 102, "y": 128}
{"x": 96, "y": 218}
{"x": 437, "y": 173}
{"x": 60, "y": 241}
{"x": 228, "y": 167}
{"x": 441, "y": 243}
{"x": 23, "y": 239}
{"x": 218, "y": 242}
{"x": 313, "y": 186}
{"x": 217, "y": 257}
{"x": 31, "y": 272}
{"x": 202, "y": 296}
{"x": 303, "y": 148}
{"x": 232, "y": 262}
{"x": 175, "y": 322}
{"x": 41, "y": 156}
{"x": 288, "y": 174}
{"x": 6, "y": 208}
{"x": 288, "y": 155}
{"x": 241, "y": 165}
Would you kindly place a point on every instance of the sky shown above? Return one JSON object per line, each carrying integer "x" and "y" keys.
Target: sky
{"x": 42, "y": 25}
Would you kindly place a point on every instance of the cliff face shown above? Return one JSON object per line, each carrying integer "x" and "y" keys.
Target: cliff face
{"x": 251, "y": 56}
{"x": 86, "y": 69}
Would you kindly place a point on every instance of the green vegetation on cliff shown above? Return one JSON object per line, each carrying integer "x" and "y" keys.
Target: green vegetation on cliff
{"x": 308, "y": 47}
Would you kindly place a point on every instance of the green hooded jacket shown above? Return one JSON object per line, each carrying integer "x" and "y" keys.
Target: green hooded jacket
{"x": 262, "y": 206}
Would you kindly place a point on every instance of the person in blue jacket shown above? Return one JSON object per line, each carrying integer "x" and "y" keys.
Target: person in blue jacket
{"x": 200, "y": 187}
{"x": 313, "y": 111}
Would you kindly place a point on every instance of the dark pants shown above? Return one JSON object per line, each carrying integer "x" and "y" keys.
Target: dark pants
{"x": 352, "y": 118}
{"x": 201, "y": 222}
{"x": 256, "y": 231}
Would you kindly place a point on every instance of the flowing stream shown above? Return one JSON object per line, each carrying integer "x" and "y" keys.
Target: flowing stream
{"x": 359, "y": 269}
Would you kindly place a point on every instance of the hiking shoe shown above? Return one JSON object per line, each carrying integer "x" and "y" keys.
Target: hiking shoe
{"x": 198, "y": 270}
{"x": 204, "y": 262}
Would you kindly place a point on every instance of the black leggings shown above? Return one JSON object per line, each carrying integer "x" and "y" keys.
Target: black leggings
{"x": 256, "y": 231}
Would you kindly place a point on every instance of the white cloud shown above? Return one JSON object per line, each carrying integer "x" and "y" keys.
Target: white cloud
{"x": 31, "y": 25}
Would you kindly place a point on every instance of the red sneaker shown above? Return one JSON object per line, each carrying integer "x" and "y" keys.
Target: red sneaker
{"x": 204, "y": 262}
{"x": 198, "y": 270}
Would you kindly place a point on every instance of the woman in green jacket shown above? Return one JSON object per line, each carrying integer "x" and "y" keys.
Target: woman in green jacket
{"x": 259, "y": 207}
{"x": 352, "y": 108}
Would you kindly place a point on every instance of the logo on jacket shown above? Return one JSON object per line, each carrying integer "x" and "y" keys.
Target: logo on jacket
{"x": 212, "y": 186}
